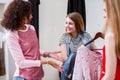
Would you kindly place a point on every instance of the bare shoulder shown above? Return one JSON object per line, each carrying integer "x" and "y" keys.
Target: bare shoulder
{"x": 109, "y": 36}
{"x": 109, "y": 39}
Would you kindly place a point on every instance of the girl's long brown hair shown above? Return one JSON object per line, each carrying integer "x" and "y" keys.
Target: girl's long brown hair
{"x": 78, "y": 20}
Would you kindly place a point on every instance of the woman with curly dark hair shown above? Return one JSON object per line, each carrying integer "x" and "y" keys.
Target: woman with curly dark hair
{"x": 22, "y": 42}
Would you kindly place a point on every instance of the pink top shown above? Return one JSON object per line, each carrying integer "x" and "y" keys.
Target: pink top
{"x": 24, "y": 47}
{"x": 87, "y": 64}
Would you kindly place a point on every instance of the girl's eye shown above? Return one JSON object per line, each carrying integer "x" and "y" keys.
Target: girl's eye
{"x": 70, "y": 23}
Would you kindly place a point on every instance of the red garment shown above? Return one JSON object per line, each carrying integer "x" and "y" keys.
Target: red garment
{"x": 103, "y": 66}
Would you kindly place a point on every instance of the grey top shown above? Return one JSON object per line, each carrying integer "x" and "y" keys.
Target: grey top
{"x": 74, "y": 43}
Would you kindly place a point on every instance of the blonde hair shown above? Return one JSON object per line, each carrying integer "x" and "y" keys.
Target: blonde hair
{"x": 113, "y": 21}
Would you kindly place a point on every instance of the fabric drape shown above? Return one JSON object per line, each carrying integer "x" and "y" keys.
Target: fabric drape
{"x": 2, "y": 61}
{"x": 87, "y": 64}
{"x": 35, "y": 13}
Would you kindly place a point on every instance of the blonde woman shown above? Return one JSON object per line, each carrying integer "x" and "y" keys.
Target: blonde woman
{"x": 111, "y": 50}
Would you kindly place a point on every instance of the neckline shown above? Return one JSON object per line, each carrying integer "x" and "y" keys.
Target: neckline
{"x": 25, "y": 29}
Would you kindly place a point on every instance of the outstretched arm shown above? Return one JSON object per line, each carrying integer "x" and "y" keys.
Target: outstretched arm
{"x": 58, "y": 55}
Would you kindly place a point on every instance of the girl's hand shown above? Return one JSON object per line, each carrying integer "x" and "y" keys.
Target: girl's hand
{"x": 55, "y": 65}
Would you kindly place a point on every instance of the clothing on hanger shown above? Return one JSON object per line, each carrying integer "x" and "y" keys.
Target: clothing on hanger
{"x": 87, "y": 64}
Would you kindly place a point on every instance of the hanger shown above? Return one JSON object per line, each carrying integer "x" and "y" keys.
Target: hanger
{"x": 98, "y": 34}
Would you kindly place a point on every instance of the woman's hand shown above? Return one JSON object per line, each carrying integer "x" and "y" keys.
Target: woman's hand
{"x": 55, "y": 65}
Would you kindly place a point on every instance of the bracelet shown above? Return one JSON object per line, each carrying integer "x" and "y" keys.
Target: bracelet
{"x": 47, "y": 62}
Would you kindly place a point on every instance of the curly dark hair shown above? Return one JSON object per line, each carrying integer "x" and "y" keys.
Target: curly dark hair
{"x": 15, "y": 13}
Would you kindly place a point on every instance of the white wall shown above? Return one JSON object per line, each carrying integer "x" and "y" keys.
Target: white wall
{"x": 52, "y": 15}
{"x": 10, "y": 67}
{"x": 52, "y": 19}
{"x": 95, "y": 20}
